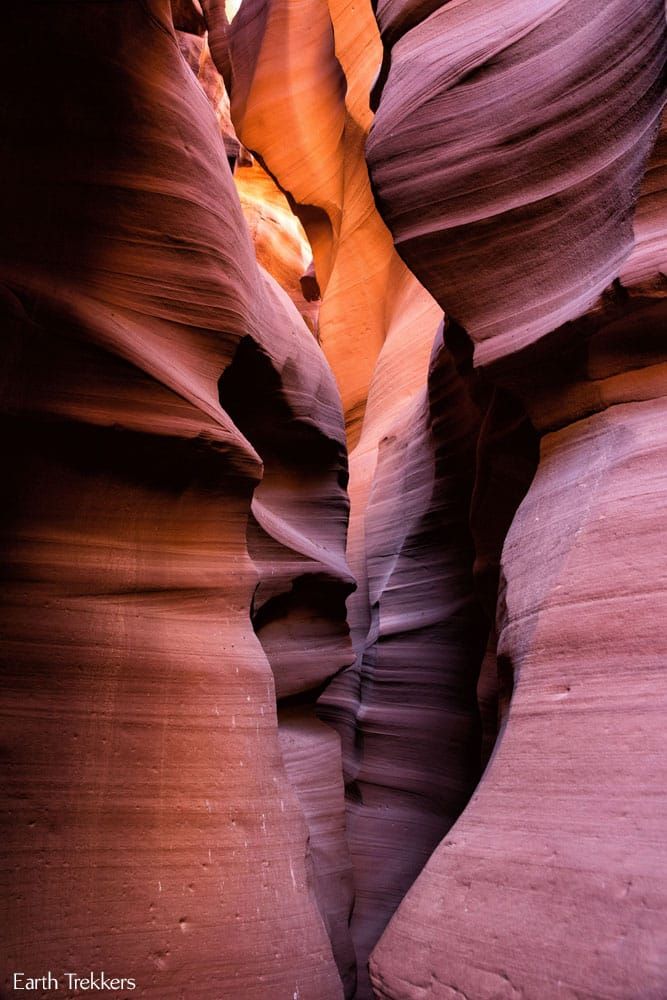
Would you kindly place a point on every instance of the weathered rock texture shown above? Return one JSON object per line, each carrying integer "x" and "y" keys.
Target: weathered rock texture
{"x": 507, "y": 156}
{"x": 187, "y": 211}
{"x": 416, "y": 722}
{"x": 506, "y": 153}
{"x": 448, "y": 465}
{"x": 147, "y": 818}
{"x": 299, "y": 77}
{"x": 306, "y": 71}
{"x": 280, "y": 243}
{"x": 296, "y": 537}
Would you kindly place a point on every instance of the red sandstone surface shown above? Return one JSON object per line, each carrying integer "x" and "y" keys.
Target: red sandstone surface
{"x": 334, "y": 505}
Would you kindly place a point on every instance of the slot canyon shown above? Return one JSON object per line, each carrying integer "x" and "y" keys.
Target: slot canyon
{"x": 334, "y": 605}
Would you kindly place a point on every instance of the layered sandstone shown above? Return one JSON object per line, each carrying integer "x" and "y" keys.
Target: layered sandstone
{"x": 299, "y": 77}
{"x": 187, "y": 211}
{"x": 416, "y": 723}
{"x": 508, "y": 146}
{"x": 280, "y": 243}
{"x": 529, "y": 142}
{"x": 149, "y": 822}
{"x": 370, "y": 303}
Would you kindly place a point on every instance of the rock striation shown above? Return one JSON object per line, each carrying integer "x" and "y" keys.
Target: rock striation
{"x": 149, "y": 822}
{"x": 296, "y": 538}
{"x": 524, "y": 224}
{"x": 305, "y": 71}
{"x": 247, "y": 751}
{"x": 542, "y": 219}
{"x": 416, "y": 721}
{"x": 281, "y": 245}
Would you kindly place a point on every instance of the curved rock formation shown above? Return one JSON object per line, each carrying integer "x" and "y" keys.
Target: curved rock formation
{"x": 551, "y": 882}
{"x": 296, "y": 537}
{"x": 146, "y": 809}
{"x": 515, "y": 204}
{"x": 281, "y": 246}
{"x": 178, "y": 612}
{"x": 368, "y": 299}
{"x": 280, "y": 243}
{"x": 420, "y": 652}
{"x": 396, "y": 412}
{"x": 507, "y": 150}
{"x": 417, "y": 724}
{"x": 304, "y": 71}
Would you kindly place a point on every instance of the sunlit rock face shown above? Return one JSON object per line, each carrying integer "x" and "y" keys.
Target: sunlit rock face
{"x": 299, "y": 77}
{"x": 278, "y": 237}
{"x": 146, "y": 806}
{"x": 280, "y": 243}
{"x": 508, "y": 152}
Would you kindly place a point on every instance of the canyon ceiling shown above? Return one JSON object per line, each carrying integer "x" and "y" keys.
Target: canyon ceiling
{"x": 334, "y": 393}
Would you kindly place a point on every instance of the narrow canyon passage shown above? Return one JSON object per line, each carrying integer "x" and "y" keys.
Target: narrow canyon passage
{"x": 333, "y": 522}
